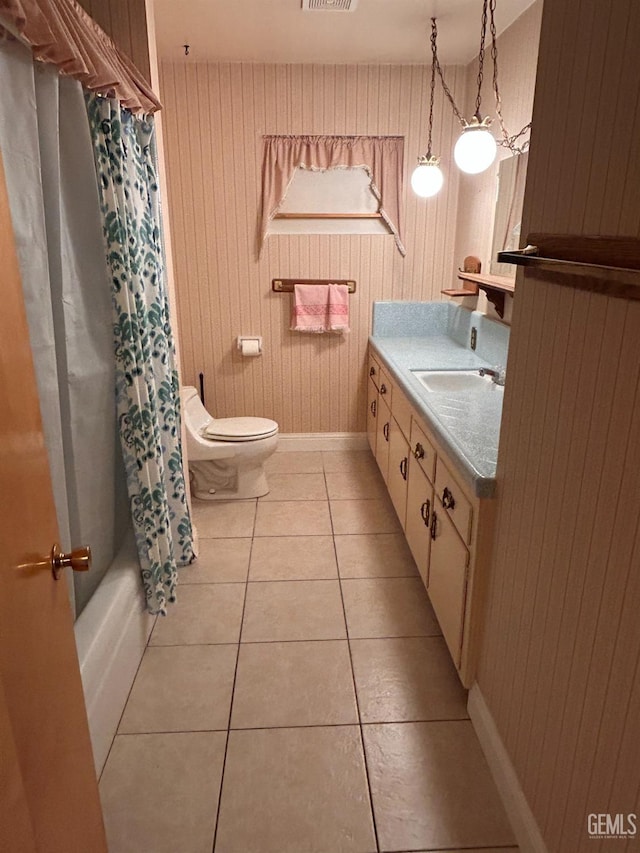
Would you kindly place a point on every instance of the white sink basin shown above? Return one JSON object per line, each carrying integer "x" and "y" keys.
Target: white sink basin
{"x": 453, "y": 381}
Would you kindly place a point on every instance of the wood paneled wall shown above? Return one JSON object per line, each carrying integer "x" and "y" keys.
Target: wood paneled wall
{"x": 561, "y": 654}
{"x": 215, "y": 116}
{"x": 517, "y": 63}
{"x": 125, "y": 21}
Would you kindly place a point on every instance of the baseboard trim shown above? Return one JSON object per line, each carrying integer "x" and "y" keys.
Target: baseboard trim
{"x": 504, "y": 775}
{"x": 289, "y": 441}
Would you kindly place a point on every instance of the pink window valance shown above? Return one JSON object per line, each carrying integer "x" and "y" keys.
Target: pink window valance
{"x": 381, "y": 156}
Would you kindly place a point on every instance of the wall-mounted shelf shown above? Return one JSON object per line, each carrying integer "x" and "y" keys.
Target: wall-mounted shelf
{"x": 495, "y": 287}
{"x": 609, "y": 265}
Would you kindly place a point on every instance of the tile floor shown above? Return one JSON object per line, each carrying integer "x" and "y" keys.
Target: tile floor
{"x": 300, "y": 698}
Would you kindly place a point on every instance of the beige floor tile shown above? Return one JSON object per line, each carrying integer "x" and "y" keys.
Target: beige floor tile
{"x": 181, "y": 689}
{"x": 388, "y": 607}
{"x": 294, "y": 462}
{"x": 374, "y": 555}
{"x": 348, "y": 460}
{"x": 294, "y": 684}
{"x": 432, "y": 788}
{"x": 293, "y": 558}
{"x": 355, "y": 485}
{"x": 405, "y": 679}
{"x": 296, "y": 487}
{"x": 219, "y": 561}
{"x": 224, "y": 519}
{"x": 295, "y": 791}
{"x": 293, "y": 610}
{"x": 362, "y": 516}
{"x": 159, "y": 792}
{"x": 204, "y": 613}
{"x": 293, "y": 518}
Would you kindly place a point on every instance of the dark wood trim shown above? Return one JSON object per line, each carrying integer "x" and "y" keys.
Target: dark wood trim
{"x": 623, "y": 252}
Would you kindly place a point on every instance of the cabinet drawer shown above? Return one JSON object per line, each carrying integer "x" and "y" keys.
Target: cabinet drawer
{"x": 454, "y": 501}
{"x": 373, "y": 371}
{"x": 386, "y": 387}
{"x": 423, "y": 451}
{"x": 401, "y": 411}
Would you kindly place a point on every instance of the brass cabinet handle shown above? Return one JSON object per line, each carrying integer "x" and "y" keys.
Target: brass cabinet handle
{"x": 383, "y": 388}
{"x": 385, "y": 431}
{"x": 403, "y": 468}
{"x": 425, "y": 510}
{"x": 448, "y": 501}
{"x": 374, "y": 407}
{"x": 419, "y": 451}
{"x": 434, "y": 525}
{"x": 372, "y": 371}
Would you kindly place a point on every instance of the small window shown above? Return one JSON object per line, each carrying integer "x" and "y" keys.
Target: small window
{"x": 314, "y": 194}
{"x": 331, "y": 185}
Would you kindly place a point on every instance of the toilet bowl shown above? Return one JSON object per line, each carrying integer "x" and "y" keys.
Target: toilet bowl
{"x": 226, "y": 455}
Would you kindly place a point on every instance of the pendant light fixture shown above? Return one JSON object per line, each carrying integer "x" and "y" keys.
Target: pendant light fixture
{"x": 476, "y": 147}
{"x": 427, "y": 177}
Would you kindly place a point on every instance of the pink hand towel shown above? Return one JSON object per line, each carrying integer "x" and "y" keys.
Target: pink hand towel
{"x": 338, "y": 313}
{"x": 320, "y": 308}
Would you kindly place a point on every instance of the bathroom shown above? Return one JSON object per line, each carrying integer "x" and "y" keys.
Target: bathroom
{"x": 214, "y": 115}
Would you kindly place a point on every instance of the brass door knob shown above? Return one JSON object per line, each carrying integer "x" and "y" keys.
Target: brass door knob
{"x": 79, "y": 560}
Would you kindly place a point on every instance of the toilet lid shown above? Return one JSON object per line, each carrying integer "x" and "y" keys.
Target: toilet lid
{"x": 239, "y": 429}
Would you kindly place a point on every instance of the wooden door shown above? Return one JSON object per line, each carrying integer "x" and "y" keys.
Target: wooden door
{"x": 48, "y": 791}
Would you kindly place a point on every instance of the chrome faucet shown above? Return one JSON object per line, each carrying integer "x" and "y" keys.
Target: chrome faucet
{"x": 498, "y": 376}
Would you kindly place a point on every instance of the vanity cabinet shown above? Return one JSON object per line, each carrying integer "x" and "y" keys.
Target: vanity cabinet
{"x": 449, "y": 529}
{"x": 447, "y": 580}
{"x": 398, "y": 469}
{"x": 418, "y": 517}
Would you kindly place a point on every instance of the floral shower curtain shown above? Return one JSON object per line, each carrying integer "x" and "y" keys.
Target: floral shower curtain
{"x": 147, "y": 393}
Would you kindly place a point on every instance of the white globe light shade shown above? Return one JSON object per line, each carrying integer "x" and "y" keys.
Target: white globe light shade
{"x": 475, "y": 150}
{"x": 427, "y": 180}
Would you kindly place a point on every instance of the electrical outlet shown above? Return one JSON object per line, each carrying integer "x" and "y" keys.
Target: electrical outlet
{"x": 474, "y": 337}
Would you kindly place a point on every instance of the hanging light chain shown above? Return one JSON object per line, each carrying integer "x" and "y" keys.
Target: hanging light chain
{"x": 434, "y": 34}
{"x": 506, "y": 141}
{"x": 436, "y": 65}
{"x": 483, "y": 34}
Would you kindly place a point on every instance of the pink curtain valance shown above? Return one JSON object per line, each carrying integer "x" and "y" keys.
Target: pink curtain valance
{"x": 61, "y": 33}
{"x": 381, "y": 156}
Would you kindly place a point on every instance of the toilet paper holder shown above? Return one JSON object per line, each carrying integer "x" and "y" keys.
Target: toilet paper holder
{"x": 250, "y": 345}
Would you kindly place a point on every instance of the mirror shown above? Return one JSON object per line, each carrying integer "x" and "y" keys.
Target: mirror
{"x": 512, "y": 176}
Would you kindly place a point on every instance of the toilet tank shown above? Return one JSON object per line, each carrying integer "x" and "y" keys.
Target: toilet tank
{"x": 195, "y": 415}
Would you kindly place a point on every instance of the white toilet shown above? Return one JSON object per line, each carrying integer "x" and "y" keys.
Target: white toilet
{"x": 226, "y": 455}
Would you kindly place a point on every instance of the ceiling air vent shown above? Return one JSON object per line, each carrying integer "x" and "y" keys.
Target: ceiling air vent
{"x": 329, "y": 5}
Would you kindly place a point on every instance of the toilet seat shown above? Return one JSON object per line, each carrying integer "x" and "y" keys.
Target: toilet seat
{"x": 239, "y": 429}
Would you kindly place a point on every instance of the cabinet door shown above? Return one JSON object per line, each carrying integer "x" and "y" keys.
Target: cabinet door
{"x": 372, "y": 415}
{"x": 398, "y": 469}
{"x": 382, "y": 436}
{"x": 419, "y": 507}
{"x": 447, "y": 585}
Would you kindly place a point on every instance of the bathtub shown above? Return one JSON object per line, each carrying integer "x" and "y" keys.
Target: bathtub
{"x": 111, "y": 636}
